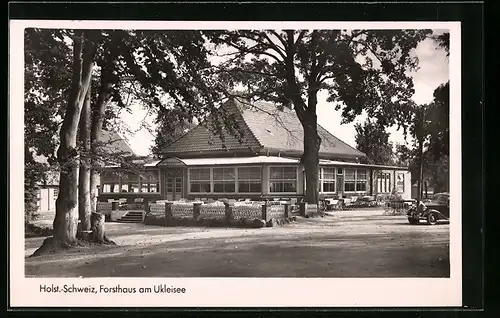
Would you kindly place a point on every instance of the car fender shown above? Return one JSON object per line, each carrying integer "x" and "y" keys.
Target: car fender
{"x": 440, "y": 215}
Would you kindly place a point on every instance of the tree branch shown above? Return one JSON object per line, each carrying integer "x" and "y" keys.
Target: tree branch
{"x": 301, "y": 35}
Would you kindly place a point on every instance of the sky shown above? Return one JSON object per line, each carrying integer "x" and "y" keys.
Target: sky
{"x": 433, "y": 71}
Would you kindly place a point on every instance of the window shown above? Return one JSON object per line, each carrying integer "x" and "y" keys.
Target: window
{"x": 178, "y": 185}
{"x": 109, "y": 188}
{"x": 384, "y": 183}
{"x": 283, "y": 179}
{"x": 56, "y": 192}
{"x": 249, "y": 180}
{"x": 145, "y": 181}
{"x": 361, "y": 179}
{"x": 133, "y": 187}
{"x": 150, "y": 181}
{"x": 327, "y": 180}
{"x": 224, "y": 180}
{"x": 355, "y": 180}
{"x": 199, "y": 180}
{"x": 129, "y": 182}
{"x": 110, "y": 182}
{"x": 400, "y": 182}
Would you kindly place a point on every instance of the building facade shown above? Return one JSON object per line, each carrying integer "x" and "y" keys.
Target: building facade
{"x": 263, "y": 164}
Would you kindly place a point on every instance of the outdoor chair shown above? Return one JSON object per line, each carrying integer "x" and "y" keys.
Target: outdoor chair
{"x": 332, "y": 204}
{"x": 347, "y": 204}
{"x": 354, "y": 202}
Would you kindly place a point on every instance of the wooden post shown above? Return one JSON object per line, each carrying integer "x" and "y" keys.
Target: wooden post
{"x": 97, "y": 226}
{"x": 264, "y": 212}
{"x": 229, "y": 211}
{"x": 145, "y": 210}
{"x": 168, "y": 212}
{"x": 196, "y": 210}
{"x": 115, "y": 206}
{"x": 302, "y": 208}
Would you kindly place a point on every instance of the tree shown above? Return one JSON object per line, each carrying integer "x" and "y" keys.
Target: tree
{"x": 373, "y": 140}
{"x": 439, "y": 122}
{"x": 169, "y": 128}
{"x": 430, "y": 126}
{"x": 160, "y": 63}
{"x": 439, "y": 113}
{"x": 65, "y": 223}
{"x": 45, "y": 64}
{"x": 359, "y": 69}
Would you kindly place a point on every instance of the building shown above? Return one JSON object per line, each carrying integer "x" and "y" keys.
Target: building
{"x": 263, "y": 163}
{"x": 48, "y": 191}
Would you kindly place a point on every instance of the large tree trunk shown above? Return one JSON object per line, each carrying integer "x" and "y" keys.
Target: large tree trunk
{"x": 84, "y": 203}
{"x": 65, "y": 221}
{"x": 310, "y": 158}
{"x": 98, "y": 111}
{"x": 98, "y": 228}
{"x": 307, "y": 116}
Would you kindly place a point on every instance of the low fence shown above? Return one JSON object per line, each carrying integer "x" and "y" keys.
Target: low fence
{"x": 248, "y": 210}
{"x": 182, "y": 210}
{"x": 223, "y": 212}
{"x": 397, "y": 207}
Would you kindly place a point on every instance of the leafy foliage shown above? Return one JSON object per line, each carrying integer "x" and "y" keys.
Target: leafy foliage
{"x": 373, "y": 140}
{"x": 439, "y": 122}
{"x": 361, "y": 70}
{"x": 169, "y": 128}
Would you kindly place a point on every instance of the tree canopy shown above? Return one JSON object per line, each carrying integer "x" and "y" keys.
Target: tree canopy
{"x": 360, "y": 70}
{"x": 373, "y": 140}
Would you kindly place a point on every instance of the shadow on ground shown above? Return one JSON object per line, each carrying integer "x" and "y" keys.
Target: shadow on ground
{"x": 324, "y": 247}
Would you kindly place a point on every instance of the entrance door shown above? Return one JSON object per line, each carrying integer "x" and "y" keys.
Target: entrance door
{"x": 174, "y": 188}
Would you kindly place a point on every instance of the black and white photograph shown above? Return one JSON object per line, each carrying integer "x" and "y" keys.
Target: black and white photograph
{"x": 248, "y": 162}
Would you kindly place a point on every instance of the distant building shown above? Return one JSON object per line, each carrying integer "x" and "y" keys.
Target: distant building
{"x": 48, "y": 191}
{"x": 265, "y": 163}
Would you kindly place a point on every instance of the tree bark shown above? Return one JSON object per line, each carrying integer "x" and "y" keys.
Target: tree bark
{"x": 307, "y": 117}
{"x": 65, "y": 221}
{"x": 97, "y": 221}
{"x": 84, "y": 202}
{"x": 310, "y": 158}
{"x": 98, "y": 111}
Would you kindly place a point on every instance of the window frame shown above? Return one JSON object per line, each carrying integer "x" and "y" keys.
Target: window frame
{"x": 118, "y": 183}
{"x": 356, "y": 180}
{"x": 403, "y": 175}
{"x": 224, "y": 181}
{"x": 209, "y": 181}
{"x": 282, "y": 180}
{"x": 248, "y": 181}
{"x": 235, "y": 181}
{"x": 322, "y": 179}
{"x": 384, "y": 182}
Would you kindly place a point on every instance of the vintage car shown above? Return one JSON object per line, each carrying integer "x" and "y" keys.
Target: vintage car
{"x": 433, "y": 211}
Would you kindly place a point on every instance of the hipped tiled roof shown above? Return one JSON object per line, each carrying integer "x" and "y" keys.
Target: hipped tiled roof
{"x": 265, "y": 128}
{"x": 114, "y": 143}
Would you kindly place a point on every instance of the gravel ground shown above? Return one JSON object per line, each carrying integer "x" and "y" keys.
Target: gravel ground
{"x": 361, "y": 243}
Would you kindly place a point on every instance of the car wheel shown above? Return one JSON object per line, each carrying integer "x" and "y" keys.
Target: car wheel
{"x": 413, "y": 221}
{"x": 431, "y": 219}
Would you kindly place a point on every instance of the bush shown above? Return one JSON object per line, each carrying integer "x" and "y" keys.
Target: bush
{"x": 31, "y": 230}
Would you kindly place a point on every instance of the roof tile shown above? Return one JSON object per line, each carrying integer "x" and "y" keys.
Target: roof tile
{"x": 265, "y": 127}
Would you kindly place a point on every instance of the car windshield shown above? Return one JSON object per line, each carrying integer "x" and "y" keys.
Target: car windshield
{"x": 442, "y": 197}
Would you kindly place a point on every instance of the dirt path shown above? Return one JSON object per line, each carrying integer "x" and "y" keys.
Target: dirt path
{"x": 347, "y": 244}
